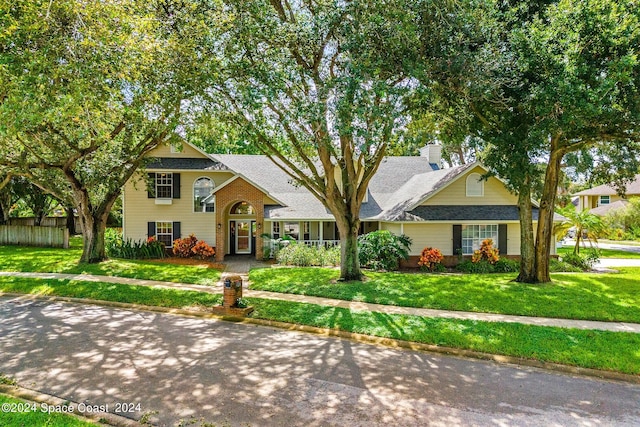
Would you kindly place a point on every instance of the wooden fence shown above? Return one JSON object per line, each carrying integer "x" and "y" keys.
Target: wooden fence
{"x": 51, "y": 221}
{"x": 29, "y": 235}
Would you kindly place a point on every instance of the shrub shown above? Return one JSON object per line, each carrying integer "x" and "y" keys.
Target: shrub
{"x": 583, "y": 262}
{"x": 486, "y": 253}
{"x": 482, "y": 266}
{"x": 182, "y": 248}
{"x": 383, "y": 250}
{"x": 302, "y": 255}
{"x": 505, "y": 265}
{"x": 202, "y": 250}
{"x": 430, "y": 259}
{"x": 116, "y": 247}
{"x": 557, "y": 266}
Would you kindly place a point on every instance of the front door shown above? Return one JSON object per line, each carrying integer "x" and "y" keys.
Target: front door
{"x": 243, "y": 237}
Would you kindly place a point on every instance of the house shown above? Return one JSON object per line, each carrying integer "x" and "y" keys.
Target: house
{"x": 602, "y": 199}
{"x": 232, "y": 201}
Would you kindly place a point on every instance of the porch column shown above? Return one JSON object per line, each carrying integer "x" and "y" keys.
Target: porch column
{"x": 321, "y": 232}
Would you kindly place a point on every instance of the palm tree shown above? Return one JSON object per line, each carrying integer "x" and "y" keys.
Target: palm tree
{"x": 586, "y": 224}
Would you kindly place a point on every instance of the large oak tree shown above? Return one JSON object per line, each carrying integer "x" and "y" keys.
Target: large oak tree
{"x": 320, "y": 88}
{"x": 89, "y": 88}
{"x": 538, "y": 81}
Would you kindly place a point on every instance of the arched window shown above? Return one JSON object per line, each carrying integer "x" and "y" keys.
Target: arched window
{"x": 475, "y": 185}
{"x": 242, "y": 208}
{"x": 203, "y": 197}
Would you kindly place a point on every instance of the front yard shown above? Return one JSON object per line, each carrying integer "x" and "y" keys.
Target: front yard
{"x": 589, "y": 296}
{"x": 610, "y": 297}
{"x": 49, "y": 260}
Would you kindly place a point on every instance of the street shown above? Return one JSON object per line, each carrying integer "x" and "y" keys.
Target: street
{"x": 175, "y": 369}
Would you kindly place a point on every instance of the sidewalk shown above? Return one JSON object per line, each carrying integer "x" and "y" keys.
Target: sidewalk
{"x": 239, "y": 269}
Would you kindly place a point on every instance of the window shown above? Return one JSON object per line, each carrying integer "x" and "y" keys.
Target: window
{"x": 604, "y": 200}
{"x": 164, "y": 185}
{"x": 473, "y": 235}
{"x": 164, "y": 232}
{"x": 475, "y": 185}
{"x": 275, "y": 230}
{"x": 242, "y": 208}
{"x": 306, "y": 230}
{"x": 292, "y": 229}
{"x": 203, "y": 198}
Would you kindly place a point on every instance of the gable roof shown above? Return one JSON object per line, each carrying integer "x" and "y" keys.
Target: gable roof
{"x": 633, "y": 188}
{"x": 186, "y": 163}
{"x": 400, "y": 185}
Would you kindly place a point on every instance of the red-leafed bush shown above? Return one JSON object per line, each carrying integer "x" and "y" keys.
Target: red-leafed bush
{"x": 486, "y": 252}
{"x": 430, "y": 259}
{"x": 182, "y": 247}
{"x": 202, "y": 250}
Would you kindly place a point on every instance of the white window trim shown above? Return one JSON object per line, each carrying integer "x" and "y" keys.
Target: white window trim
{"x": 600, "y": 200}
{"x": 479, "y": 181}
{"x": 193, "y": 195}
{"x": 165, "y": 234}
{"x": 495, "y": 240}
{"x": 163, "y": 200}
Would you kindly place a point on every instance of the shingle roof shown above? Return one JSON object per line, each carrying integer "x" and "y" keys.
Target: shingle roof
{"x": 176, "y": 163}
{"x": 632, "y": 188}
{"x": 394, "y": 191}
{"x": 604, "y": 209}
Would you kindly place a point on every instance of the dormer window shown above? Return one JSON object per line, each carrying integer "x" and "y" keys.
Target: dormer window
{"x": 475, "y": 185}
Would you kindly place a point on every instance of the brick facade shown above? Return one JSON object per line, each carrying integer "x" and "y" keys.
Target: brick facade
{"x": 237, "y": 191}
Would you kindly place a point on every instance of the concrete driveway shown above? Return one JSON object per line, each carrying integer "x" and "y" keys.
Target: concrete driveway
{"x": 181, "y": 369}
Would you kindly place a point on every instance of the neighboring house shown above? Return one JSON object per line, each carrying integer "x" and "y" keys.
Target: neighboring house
{"x": 231, "y": 201}
{"x": 604, "y": 198}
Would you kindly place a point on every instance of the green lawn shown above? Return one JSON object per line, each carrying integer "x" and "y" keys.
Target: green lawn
{"x": 607, "y": 297}
{"x": 604, "y": 253}
{"x": 34, "y": 414}
{"x": 616, "y": 351}
{"x": 51, "y": 260}
{"x": 109, "y": 292}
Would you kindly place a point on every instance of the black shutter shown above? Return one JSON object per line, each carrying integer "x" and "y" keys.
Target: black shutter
{"x": 151, "y": 189}
{"x": 176, "y": 185}
{"x": 151, "y": 229}
{"x": 176, "y": 230}
{"x": 502, "y": 238}
{"x": 457, "y": 239}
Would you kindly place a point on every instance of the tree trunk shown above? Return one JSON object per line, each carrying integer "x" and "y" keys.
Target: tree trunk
{"x": 527, "y": 252}
{"x": 93, "y": 229}
{"x": 350, "y": 262}
{"x": 545, "y": 217}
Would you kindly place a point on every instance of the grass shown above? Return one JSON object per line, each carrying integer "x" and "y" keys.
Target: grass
{"x": 33, "y": 415}
{"x": 53, "y": 260}
{"x": 606, "y": 297}
{"x": 614, "y": 351}
{"x": 109, "y": 292}
{"x": 604, "y": 253}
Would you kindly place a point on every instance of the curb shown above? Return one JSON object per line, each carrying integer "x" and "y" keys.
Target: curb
{"x": 368, "y": 339}
{"x": 102, "y": 418}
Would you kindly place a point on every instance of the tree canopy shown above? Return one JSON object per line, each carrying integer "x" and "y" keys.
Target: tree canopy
{"x": 87, "y": 89}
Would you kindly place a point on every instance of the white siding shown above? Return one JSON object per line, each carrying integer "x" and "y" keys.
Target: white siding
{"x": 139, "y": 209}
{"x": 430, "y": 235}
